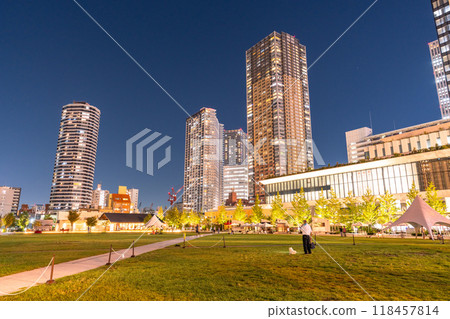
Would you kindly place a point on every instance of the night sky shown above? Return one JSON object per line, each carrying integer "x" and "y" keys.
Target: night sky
{"x": 52, "y": 54}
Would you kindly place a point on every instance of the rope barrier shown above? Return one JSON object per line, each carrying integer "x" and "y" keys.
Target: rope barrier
{"x": 118, "y": 254}
{"x": 220, "y": 240}
{"x": 33, "y": 284}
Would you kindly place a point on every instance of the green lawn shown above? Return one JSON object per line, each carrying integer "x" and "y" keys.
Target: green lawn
{"x": 258, "y": 267}
{"x": 20, "y": 252}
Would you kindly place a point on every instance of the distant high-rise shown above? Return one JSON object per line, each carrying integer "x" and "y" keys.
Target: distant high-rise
{"x": 234, "y": 147}
{"x": 441, "y": 68}
{"x": 362, "y": 145}
{"x": 134, "y": 198}
{"x": 355, "y": 144}
{"x": 202, "y": 161}
{"x": 235, "y": 168}
{"x": 278, "y": 110}
{"x": 100, "y": 197}
{"x": 439, "y": 76}
{"x": 9, "y": 200}
{"x": 73, "y": 174}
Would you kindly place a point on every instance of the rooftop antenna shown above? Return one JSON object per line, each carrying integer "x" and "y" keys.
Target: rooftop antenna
{"x": 370, "y": 120}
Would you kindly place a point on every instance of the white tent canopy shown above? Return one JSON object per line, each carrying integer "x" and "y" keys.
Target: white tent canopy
{"x": 421, "y": 214}
{"x": 154, "y": 222}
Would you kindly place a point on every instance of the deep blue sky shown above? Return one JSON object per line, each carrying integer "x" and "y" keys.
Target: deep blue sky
{"x": 52, "y": 54}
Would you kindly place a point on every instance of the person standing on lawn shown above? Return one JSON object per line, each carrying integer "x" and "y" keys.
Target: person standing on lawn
{"x": 306, "y": 231}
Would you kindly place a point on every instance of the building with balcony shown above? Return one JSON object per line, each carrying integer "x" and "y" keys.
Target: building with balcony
{"x": 9, "y": 200}
{"x": 440, "y": 53}
{"x": 203, "y": 161}
{"x": 278, "y": 109}
{"x": 73, "y": 173}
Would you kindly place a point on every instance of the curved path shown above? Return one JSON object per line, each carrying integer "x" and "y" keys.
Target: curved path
{"x": 13, "y": 283}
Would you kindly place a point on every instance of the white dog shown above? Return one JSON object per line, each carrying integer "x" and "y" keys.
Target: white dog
{"x": 292, "y": 251}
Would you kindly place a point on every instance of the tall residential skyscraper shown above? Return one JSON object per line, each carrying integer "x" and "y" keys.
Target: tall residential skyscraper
{"x": 441, "y": 12}
{"x": 235, "y": 169}
{"x": 278, "y": 110}
{"x": 73, "y": 174}
{"x": 202, "y": 161}
{"x": 439, "y": 76}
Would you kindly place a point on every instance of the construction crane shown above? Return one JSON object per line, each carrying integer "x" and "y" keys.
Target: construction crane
{"x": 173, "y": 196}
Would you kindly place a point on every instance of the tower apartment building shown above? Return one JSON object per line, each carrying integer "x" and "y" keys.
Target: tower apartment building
{"x": 440, "y": 79}
{"x": 441, "y": 48}
{"x": 278, "y": 109}
{"x": 73, "y": 173}
{"x": 202, "y": 161}
{"x": 235, "y": 168}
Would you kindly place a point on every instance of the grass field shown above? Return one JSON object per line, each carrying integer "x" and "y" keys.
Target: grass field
{"x": 21, "y": 252}
{"x": 258, "y": 267}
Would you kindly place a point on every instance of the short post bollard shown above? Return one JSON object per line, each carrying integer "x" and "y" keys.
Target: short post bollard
{"x": 223, "y": 237}
{"x": 50, "y": 281}
{"x": 184, "y": 240}
{"x": 132, "y": 255}
{"x": 353, "y": 238}
{"x": 109, "y": 258}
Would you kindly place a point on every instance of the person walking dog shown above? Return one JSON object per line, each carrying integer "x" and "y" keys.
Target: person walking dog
{"x": 306, "y": 231}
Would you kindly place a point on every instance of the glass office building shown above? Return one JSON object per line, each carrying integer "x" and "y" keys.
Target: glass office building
{"x": 395, "y": 175}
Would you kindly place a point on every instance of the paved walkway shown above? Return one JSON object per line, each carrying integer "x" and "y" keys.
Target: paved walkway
{"x": 13, "y": 283}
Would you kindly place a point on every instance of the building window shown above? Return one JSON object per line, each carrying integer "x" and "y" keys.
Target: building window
{"x": 384, "y": 152}
{"x": 418, "y": 145}
{"x": 409, "y": 147}
{"x": 400, "y": 148}
{"x": 428, "y": 143}
{"x": 438, "y": 141}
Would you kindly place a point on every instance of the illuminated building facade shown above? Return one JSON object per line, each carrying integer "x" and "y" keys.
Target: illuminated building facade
{"x": 355, "y": 143}
{"x": 396, "y": 175}
{"x": 120, "y": 203}
{"x": 363, "y": 146}
{"x": 73, "y": 174}
{"x": 440, "y": 79}
{"x": 203, "y": 161}
{"x": 278, "y": 109}
{"x": 100, "y": 197}
{"x": 441, "y": 47}
{"x": 134, "y": 198}
{"x": 235, "y": 178}
{"x": 9, "y": 200}
{"x": 235, "y": 169}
